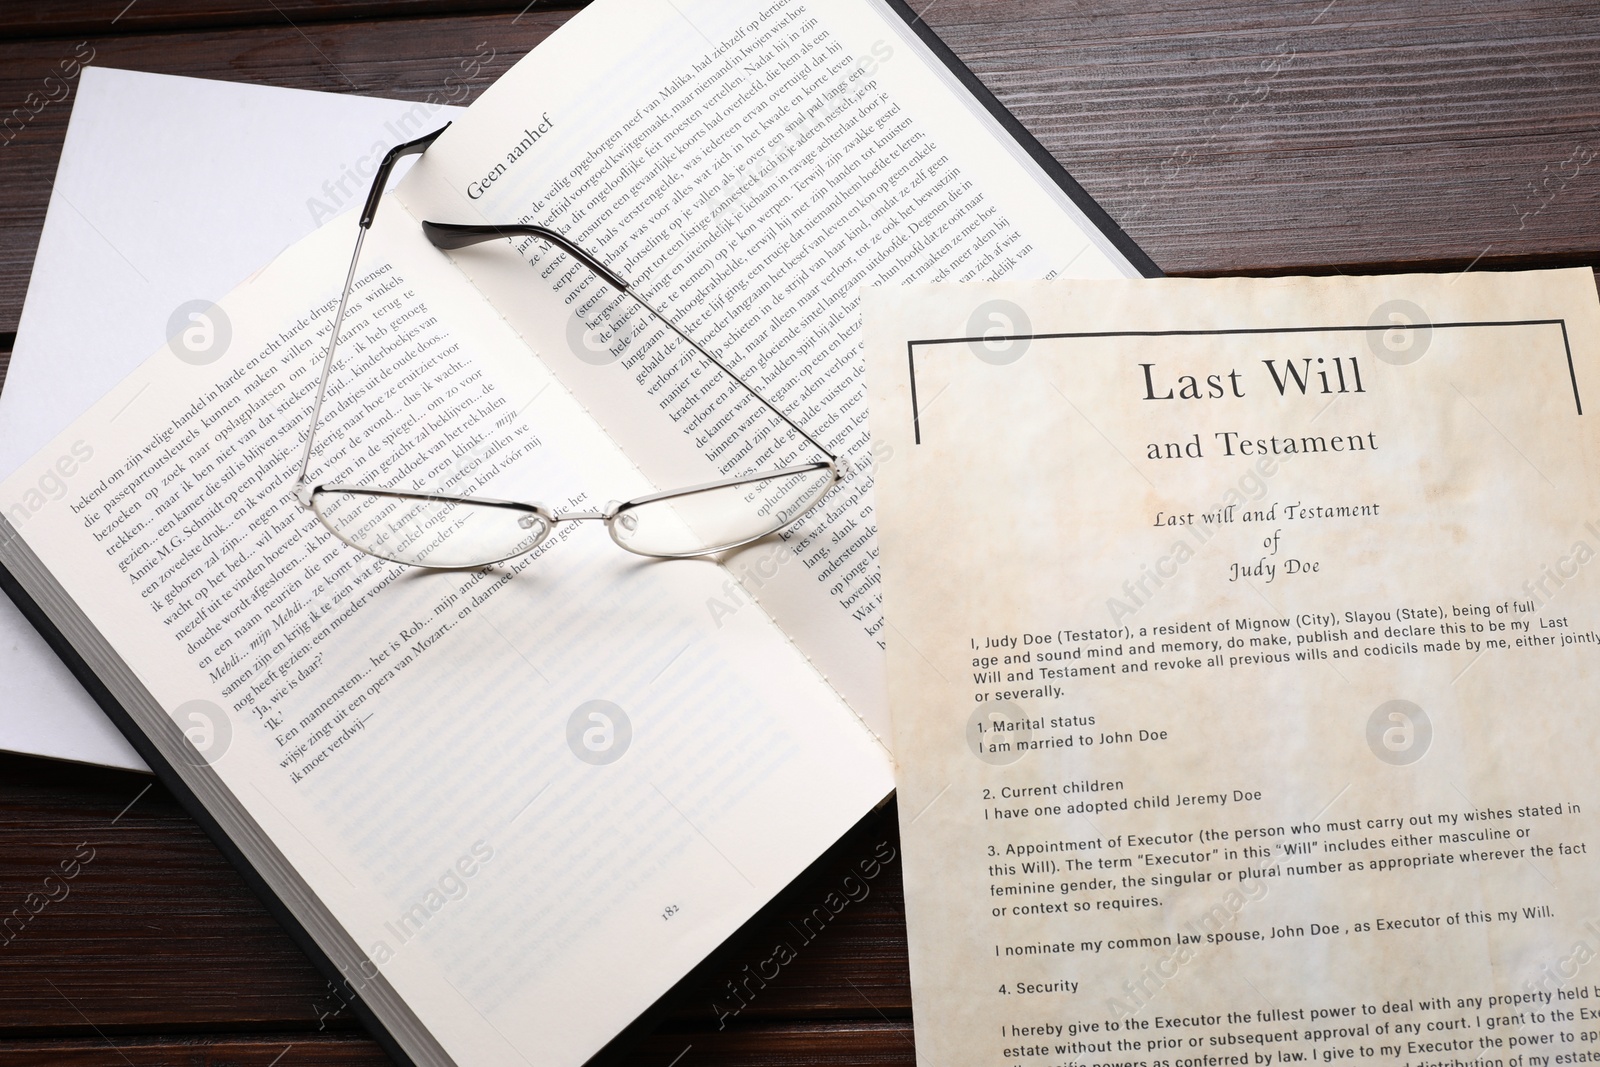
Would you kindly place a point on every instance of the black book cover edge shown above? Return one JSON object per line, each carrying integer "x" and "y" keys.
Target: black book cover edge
{"x": 614, "y": 1049}
{"x": 1041, "y": 156}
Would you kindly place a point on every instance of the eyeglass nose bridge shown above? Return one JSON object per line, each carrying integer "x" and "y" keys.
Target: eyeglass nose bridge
{"x": 611, "y": 514}
{"x": 605, "y": 514}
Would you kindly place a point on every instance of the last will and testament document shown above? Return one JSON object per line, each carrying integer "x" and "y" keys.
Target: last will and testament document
{"x": 1242, "y": 663}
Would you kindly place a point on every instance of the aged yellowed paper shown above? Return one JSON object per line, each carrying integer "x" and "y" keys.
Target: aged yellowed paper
{"x": 1242, "y": 659}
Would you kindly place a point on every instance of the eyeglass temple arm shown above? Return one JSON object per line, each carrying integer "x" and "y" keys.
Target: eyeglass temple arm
{"x": 450, "y": 235}
{"x": 395, "y": 154}
{"x": 368, "y": 211}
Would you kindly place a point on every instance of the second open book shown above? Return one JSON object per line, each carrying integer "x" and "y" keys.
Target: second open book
{"x": 513, "y": 806}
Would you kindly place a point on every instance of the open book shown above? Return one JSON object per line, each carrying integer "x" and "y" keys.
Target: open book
{"x": 513, "y": 806}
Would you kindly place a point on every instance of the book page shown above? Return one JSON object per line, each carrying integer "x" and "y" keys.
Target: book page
{"x": 1252, "y": 717}
{"x": 747, "y": 167}
{"x": 534, "y": 794}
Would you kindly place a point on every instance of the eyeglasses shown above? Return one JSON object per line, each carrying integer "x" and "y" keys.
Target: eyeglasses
{"x": 425, "y": 529}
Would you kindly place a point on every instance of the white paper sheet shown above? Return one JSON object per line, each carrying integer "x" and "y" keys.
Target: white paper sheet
{"x": 169, "y": 190}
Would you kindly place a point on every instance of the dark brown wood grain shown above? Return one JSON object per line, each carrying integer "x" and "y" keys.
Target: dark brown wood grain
{"x": 197, "y": 1051}
{"x": 148, "y": 929}
{"x": 1302, "y": 136}
{"x": 1225, "y": 137}
{"x": 852, "y": 1044}
{"x": 1309, "y": 135}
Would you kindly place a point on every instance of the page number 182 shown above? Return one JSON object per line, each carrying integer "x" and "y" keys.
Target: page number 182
{"x": 671, "y": 910}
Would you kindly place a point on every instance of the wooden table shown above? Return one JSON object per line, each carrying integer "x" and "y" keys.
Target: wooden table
{"x": 1226, "y": 136}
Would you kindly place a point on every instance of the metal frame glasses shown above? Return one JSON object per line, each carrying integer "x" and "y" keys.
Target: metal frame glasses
{"x": 440, "y": 530}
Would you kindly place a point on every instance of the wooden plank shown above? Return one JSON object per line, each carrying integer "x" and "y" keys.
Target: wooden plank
{"x": 1309, "y": 135}
{"x": 1425, "y": 137}
{"x": 267, "y": 1050}
{"x": 794, "y": 1045}
{"x": 153, "y": 928}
